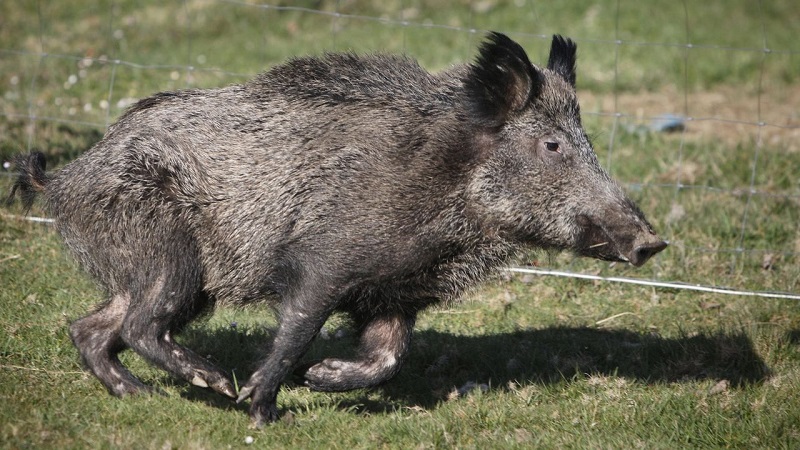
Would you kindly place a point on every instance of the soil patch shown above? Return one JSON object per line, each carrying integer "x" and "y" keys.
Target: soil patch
{"x": 725, "y": 113}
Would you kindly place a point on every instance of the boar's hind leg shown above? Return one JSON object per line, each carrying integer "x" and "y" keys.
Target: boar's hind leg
{"x": 384, "y": 343}
{"x": 97, "y": 337}
{"x": 167, "y": 300}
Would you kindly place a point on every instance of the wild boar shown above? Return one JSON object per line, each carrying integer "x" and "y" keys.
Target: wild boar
{"x": 342, "y": 183}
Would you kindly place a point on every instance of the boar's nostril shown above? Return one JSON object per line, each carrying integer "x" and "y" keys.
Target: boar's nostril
{"x": 643, "y": 252}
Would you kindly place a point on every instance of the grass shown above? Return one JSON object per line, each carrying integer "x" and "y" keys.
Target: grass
{"x": 569, "y": 364}
{"x": 553, "y": 362}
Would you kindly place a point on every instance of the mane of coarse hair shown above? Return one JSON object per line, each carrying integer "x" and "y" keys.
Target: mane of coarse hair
{"x": 345, "y": 78}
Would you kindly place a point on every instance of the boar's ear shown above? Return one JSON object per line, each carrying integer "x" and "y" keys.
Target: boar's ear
{"x": 501, "y": 82}
{"x": 562, "y": 58}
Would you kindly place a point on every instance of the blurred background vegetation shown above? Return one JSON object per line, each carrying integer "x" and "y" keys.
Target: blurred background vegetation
{"x": 571, "y": 363}
{"x": 724, "y": 190}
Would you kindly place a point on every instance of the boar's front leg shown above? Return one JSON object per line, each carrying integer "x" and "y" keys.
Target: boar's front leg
{"x": 383, "y": 344}
{"x": 301, "y": 317}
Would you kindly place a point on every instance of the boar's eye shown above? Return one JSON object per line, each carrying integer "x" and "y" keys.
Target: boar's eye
{"x": 552, "y": 146}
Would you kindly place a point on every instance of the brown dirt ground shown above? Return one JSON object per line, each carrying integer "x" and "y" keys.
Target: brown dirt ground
{"x": 725, "y": 113}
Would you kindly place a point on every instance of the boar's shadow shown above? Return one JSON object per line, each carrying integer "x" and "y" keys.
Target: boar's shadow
{"x": 440, "y": 363}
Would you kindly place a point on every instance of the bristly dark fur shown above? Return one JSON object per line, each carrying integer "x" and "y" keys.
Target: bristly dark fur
{"x": 562, "y": 58}
{"x": 501, "y": 82}
{"x": 31, "y": 180}
{"x": 363, "y": 185}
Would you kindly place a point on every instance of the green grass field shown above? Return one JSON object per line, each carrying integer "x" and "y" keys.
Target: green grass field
{"x": 552, "y": 363}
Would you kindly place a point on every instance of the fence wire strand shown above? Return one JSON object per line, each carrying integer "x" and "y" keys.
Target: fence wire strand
{"x": 407, "y": 25}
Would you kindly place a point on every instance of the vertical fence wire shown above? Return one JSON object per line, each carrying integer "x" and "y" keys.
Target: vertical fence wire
{"x": 407, "y": 24}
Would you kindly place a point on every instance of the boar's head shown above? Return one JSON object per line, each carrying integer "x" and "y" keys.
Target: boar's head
{"x": 538, "y": 180}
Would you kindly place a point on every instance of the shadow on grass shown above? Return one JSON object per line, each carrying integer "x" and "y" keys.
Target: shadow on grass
{"x": 793, "y": 337}
{"x": 440, "y": 362}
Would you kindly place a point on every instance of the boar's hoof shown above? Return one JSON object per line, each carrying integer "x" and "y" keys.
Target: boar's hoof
{"x": 244, "y": 394}
{"x": 263, "y": 410}
{"x": 224, "y": 387}
{"x": 221, "y": 385}
{"x": 199, "y": 382}
{"x": 261, "y": 415}
{"x": 318, "y": 374}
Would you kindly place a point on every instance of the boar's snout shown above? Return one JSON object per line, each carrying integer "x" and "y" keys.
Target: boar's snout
{"x": 642, "y": 252}
{"x": 629, "y": 241}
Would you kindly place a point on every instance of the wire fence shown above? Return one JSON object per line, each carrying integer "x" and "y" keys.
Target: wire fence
{"x": 753, "y": 244}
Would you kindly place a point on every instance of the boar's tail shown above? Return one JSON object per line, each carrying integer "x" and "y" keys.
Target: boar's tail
{"x": 31, "y": 179}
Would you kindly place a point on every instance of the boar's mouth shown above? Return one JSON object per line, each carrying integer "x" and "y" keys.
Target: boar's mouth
{"x": 626, "y": 244}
